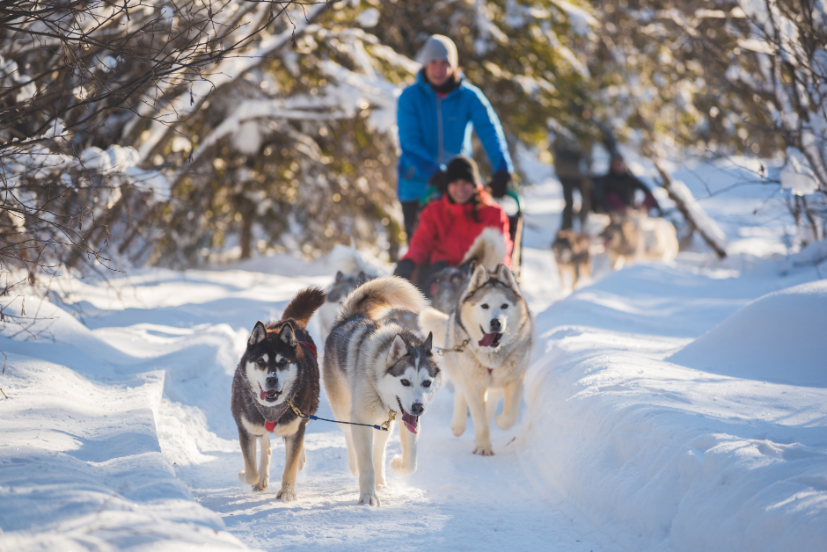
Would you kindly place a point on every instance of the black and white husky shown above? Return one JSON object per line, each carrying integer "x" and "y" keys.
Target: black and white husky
{"x": 279, "y": 364}
{"x": 493, "y": 327}
{"x": 374, "y": 366}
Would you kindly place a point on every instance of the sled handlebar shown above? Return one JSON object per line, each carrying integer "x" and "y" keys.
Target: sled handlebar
{"x": 431, "y": 192}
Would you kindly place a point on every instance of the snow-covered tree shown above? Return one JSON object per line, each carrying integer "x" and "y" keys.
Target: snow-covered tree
{"x": 730, "y": 77}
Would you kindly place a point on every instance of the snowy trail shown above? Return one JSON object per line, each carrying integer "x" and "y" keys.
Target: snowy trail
{"x": 118, "y": 433}
{"x": 455, "y": 500}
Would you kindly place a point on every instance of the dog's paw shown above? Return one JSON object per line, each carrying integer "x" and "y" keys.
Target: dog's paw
{"x": 250, "y": 479}
{"x": 261, "y": 485}
{"x": 369, "y": 499}
{"x": 485, "y": 450}
{"x": 399, "y": 466}
{"x": 458, "y": 428}
{"x": 381, "y": 485}
{"x": 506, "y": 422}
{"x": 286, "y": 495}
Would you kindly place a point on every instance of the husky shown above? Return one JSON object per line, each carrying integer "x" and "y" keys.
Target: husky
{"x": 278, "y": 366}
{"x": 636, "y": 236}
{"x": 571, "y": 252}
{"x": 353, "y": 271}
{"x": 374, "y": 368}
{"x": 343, "y": 284}
{"x": 448, "y": 284}
{"x": 493, "y": 328}
{"x": 621, "y": 239}
{"x": 660, "y": 239}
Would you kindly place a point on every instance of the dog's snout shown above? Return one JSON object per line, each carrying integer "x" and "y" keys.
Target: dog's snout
{"x": 272, "y": 380}
{"x": 417, "y": 409}
{"x": 495, "y": 324}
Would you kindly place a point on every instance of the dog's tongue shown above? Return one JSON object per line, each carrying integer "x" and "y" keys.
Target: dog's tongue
{"x": 262, "y": 395}
{"x": 410, "y": 421}
{"x": 487, "y": 339}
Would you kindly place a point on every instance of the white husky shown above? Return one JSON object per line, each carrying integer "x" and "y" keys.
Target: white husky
{"x": 374, "y": 367}
{"x": 493, "y": 327}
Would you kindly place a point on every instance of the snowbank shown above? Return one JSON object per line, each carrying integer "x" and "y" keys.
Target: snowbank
{"x": 779, "y": 337}
{"x": 81, "y": 463}
{"x": 667, "y": 457}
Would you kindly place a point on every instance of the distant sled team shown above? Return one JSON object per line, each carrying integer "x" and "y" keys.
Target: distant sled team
{"x": 377, "y": 371}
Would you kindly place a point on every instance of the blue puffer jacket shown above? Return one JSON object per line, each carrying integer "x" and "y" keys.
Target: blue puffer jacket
{"x": 432, "y": 130}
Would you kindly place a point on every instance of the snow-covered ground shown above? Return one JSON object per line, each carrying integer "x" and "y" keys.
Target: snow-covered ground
{"x": 668, "y": 407}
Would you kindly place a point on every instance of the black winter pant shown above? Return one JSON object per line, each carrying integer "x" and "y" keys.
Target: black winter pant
{"x": 410, "y": 210}
{"x": 569, "y": 185}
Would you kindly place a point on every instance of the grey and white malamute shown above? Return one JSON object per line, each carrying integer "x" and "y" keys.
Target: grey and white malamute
{"x": 279, "y": 365}
{"x": 342, "y": 286}
{"x": 493, "y": 327}
{"x": 374, "y": 366}
{"x": 352, "y": 271}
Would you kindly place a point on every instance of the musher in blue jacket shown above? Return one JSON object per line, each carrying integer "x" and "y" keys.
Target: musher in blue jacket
{"x": 435, "y": 116}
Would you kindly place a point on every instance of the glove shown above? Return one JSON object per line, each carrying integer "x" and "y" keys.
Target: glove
{"x": 404, "y": 269}
{"x": 437, "y": 180}
{"x": 499, "y": 183}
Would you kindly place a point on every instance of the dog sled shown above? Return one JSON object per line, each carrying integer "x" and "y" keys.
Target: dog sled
{"x": 513, "y": 207}
{"x": 442, "y": 286}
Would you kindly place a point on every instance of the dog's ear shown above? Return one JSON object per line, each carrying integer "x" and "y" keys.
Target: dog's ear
{"x": 362, "y": 277}
{"x": 505, "y": 276}
{"x": 398, "y": 349}
{"x": 339, "y": 277}
{"x": 258, "y": 334}
{"x": 428, "y": 344}
{"x": 479, "y": 277}
{"x": 468, "y": 268}
{"x": 286, "y": 334}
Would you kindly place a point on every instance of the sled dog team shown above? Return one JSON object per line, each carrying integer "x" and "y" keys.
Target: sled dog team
{"x": 377, "y": 371}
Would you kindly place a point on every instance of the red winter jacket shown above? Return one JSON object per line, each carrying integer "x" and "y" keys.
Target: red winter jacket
{"x": 446, "y": 230}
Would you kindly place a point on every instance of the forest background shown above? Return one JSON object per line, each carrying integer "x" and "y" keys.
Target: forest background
{"x": 170, "y": 133}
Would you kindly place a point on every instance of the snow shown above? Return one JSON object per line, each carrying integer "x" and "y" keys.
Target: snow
{"x": 775, "y": 338}
{"x": 368, "y": 18}
{"x": 703, "y": 221}
{"x": 675, "y": 406}
{"x": 682, "y": 459}
{"x": 118, "y": 164}
{"x": 797, "y": 175}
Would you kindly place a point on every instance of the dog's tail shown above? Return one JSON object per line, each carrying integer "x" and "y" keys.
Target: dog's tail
{"x": 380, "y": 296}
{"x": 488, "y": 249}
{"x": 304, "y": 304}
{"x": 436, "y": 322}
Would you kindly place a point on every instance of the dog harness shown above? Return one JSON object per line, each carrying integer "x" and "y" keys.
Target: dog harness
{"x": 310, "y": 347}
{"x": 270, "y": 425}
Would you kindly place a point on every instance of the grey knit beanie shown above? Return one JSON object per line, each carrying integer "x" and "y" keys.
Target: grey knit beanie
{"x": 439, "y": 47}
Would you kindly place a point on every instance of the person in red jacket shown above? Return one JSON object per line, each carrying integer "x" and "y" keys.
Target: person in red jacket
{"x": 449, "y": 225}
